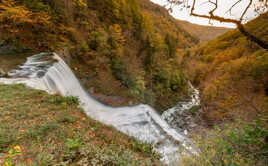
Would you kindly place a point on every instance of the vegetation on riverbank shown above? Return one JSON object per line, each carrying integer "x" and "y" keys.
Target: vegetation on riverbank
{"x": 236, "y": 144}
{"x": 40, "y": 129}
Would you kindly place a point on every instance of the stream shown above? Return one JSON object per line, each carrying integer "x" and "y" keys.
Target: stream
{"x": 48, "y": 72}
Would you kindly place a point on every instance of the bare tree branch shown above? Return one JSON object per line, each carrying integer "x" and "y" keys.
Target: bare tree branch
{"x": 245, "y": 11}
{"x": 238, "y": 23}
{"x": 231, "y": 8}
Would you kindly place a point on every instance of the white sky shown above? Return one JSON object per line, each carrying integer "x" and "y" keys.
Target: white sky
{"x": 224, "y": 5}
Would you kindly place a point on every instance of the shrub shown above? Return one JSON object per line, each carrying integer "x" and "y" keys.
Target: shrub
{"x": 139, "y": 89}
{"x": 36, "y": 5}
{"x": 72, "y": 145}
{"x": 237, "y": 144}
{"x": 172, "y": 79}
{"x": 121, "y": 73}
{"x": 171, "y": 43}
{"x": 259, "y": 69}
{"x": 98, "y": 40}
{"x": 69, "y": 100}
{"x": 117, "y": 39}
{"x": 83, "y": 48}
{"x": 209, "y": 58}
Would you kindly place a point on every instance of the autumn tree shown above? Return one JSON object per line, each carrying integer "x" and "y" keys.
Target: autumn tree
{"x": 13, "y": 14}
{"x": 117, "y": 37}
{"x": 260, "y": 6}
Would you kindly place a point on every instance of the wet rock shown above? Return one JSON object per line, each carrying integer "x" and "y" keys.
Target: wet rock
{"x": 40, "y": 74}
{"x": 91, "y": 90}
{"x": 188, "y": 118}
{"x": 7, "y": 49}
{"x": 130, "y": 103}
{"x": 182, "y": 121}
{"x": 65, "y": 55}
{"x": 193, "y": 125}
{"x": 2, "y": 73}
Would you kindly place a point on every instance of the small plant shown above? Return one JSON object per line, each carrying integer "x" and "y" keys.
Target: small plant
{"x": 194, "y": 109}
{"x": 69, "y": 100}
{"x": 145, "y": 148}
{"x": 12, "y": 153}
{"x": 66, "y": 118}
{"x": 73, "y": 144}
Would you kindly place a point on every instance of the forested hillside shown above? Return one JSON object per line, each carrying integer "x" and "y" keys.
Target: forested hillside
{"x": 204, "y": 33}
{"x": 129, "y": 48}
{"x": 232, "y": 74}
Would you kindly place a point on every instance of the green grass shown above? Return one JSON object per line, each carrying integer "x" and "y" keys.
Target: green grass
{"x": 40, "y": 129}
{"x": 235, "y": 144}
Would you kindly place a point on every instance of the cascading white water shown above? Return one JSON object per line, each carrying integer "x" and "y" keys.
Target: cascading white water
{"x": 172, "y": 114}
{"x": 142, "y": 121}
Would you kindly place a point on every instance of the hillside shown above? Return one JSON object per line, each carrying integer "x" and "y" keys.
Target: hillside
{"x": 123, "y": 47}
{"x": 232, "y": 72}
{"x": 40, "y": 129}
{"x": 164, "y": 22}
{"x": 199, "y": 32}
{"x": 203, "y": 33}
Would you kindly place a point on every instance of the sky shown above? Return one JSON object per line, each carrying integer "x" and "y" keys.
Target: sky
{"x": 202, "y": 8}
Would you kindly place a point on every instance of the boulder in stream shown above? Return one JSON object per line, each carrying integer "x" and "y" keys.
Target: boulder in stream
{"x": 7, "y": 49}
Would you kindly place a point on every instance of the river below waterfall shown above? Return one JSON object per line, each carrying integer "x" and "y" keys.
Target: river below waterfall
{"x": 50, "y": 73}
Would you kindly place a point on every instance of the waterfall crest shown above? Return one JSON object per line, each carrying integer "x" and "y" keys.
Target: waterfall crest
{"x": 50, "y": 73}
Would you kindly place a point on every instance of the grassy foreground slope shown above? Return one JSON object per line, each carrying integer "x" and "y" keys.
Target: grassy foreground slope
{"x": 40, "y": 129}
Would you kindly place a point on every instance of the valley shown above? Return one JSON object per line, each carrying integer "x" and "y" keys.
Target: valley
{"x": 136, "y": 61}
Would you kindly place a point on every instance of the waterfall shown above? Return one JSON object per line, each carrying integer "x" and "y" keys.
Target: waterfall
{"x": 50, "y": 73}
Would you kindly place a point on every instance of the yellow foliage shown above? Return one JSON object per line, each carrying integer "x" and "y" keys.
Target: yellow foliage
{"x": 15, "y": 151}
{"x": 119, "y": 7}
{"x": 12, "y": 14}
{"x": 117, "y": 34}
{"x": 147, "y": 24}
{"x": 157, "y": 41}
{"x": 80, "y": 3}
